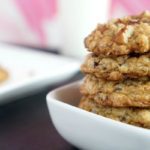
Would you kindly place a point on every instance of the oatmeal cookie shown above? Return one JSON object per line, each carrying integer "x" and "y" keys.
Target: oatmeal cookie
{"x": 134, "y": 116}
{"x": 127, "y": 93}
{"x": 117, "y": 68}
{"x": 130, "y": 34}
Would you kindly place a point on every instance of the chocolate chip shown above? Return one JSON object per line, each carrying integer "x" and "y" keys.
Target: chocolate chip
{"x": 95, "y": 64}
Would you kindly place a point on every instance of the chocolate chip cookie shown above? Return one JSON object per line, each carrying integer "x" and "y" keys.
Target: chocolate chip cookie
{"x": 128, "y": 93}
{"x": 135, "y": 116}
{"x": 117, "y": 68}
{"x": 121, "y": 36}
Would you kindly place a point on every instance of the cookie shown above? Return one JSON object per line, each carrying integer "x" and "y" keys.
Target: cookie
{"x": 3, "y": 74}
{"x": 117, "y": 68}
{"x": 133, "y": 116}
{"x": 127, "y": 93}
{"x": 121, "y": 36}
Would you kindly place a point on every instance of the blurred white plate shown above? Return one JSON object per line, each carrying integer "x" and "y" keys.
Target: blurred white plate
{"x": 89, "y": 131}
{"x": 32, "y": 70}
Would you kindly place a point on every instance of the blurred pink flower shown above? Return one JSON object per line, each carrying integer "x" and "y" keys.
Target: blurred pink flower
{"x": 36, "y": 12}
{"x": 129, "y": 6}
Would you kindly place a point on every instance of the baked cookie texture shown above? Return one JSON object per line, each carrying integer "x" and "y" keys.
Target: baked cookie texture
{"x": 117, "y": 68}
{"x": 128, "y": 93}
{"x": 123, "y": 36}
{"x": 117, "y": 81}
{"x": 3, "y": 74}
{"x": 134, "y": 116}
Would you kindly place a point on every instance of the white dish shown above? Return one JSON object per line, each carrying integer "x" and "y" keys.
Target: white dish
{"x": 31, "y": 70}
{"x": 86, "y": 130}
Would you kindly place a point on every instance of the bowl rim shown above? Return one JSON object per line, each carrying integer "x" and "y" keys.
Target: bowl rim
{"x": 51, "y": 100}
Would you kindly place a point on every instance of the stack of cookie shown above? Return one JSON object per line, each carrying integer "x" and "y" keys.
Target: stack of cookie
{"x": 117, "y": 81}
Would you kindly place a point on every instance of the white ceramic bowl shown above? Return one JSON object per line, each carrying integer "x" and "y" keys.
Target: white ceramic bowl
{"x": 86, "y": 130}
